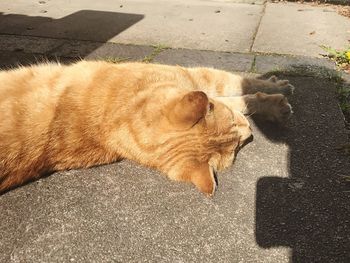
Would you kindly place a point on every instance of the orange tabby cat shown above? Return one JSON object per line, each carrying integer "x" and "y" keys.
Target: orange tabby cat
{"x": 185, "y": 122}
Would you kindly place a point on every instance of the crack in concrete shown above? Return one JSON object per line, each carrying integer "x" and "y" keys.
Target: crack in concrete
{"x": 257, "y": 28}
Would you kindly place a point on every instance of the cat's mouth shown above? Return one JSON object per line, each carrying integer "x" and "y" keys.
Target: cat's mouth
{"x": 245, "y": 142}
{"x": 215, "y": 179}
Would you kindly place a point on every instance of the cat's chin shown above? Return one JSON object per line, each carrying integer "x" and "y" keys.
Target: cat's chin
{"x": 222, "y": 162}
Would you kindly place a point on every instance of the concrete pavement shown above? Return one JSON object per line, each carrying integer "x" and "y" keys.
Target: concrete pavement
{"x": 279, "y": 28}
{"x": 284, "y": 200}
{"x": 297, "y": 29}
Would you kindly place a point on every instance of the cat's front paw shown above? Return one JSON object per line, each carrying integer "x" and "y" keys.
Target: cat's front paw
{"x": 284, "y": 86}
{"x": 274, "y": 107}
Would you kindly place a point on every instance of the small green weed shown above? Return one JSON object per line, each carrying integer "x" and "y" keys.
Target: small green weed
{"x": 116, "y": 59}
{"x": 342, "y": 60}
{"x": 341, "y": 57}
{"x": 345, "y": 149}
{"x": 344, "y": 100}
{"x": 157, "y": 49}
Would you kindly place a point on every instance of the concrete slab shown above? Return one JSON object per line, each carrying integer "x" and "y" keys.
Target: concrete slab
{"x": 33, "y": 49}
{"x": 300, "y": 29}
{"x": 13, "y": 59}
{"x": 283, "y": 200}
{"x": 63, "y": 48}
{"x": 253, "y": 2}
{"x": 96, "y": 50}
{"x": 209, "y": 25}
{"x": 28, "y": 44}
{"x": 192, "y": 58}
{"x": 267, "y": 63}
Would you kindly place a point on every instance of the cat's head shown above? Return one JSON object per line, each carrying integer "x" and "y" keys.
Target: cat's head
{"x": 205, "y": 135}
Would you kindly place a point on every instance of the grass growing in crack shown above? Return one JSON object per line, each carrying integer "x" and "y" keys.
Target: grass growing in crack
{"x": 253, "y": 67}
{"x": 342, "y": 60}
{"x": 157, "y": 49}
{"x": 344, "y": 99}
{"x": 116, "y": 59}
{"x": 340, "y": 57}
{"x": 346, "y": 150}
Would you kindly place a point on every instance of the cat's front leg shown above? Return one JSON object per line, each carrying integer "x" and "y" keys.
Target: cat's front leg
{"x": 221, "y": 83}
{"x": 270, "y": 86}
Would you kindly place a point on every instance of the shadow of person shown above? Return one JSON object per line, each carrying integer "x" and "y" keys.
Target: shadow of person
{"x": 309, "y": 211}
{"x": 85, "y": 25}
{"x": 99, "y": 26}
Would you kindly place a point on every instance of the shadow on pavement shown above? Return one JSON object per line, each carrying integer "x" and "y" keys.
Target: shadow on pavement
{"x": 84, "y": 25}
{"x": 309, "y": 211}
{"x": 92, "y": 25}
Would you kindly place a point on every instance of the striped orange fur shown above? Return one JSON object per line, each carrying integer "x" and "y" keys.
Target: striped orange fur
{"x": 185, "y": 122}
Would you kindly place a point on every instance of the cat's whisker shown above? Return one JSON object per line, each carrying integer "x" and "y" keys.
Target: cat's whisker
{"x": 245, "y": 107}
{"x": 251, "y": 114}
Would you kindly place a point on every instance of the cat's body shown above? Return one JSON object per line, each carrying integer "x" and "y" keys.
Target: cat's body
{"x": 55, "y": 117}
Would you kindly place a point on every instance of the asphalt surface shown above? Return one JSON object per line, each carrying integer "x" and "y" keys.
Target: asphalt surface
{"x": 284, "y": 199}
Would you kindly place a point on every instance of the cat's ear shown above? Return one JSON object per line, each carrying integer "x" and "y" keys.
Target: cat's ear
{"x": 189, "y": 109}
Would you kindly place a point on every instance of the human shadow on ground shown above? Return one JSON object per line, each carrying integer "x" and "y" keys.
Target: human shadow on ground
{"x": 309, "y": 211}
{"x": 96, "y": 27}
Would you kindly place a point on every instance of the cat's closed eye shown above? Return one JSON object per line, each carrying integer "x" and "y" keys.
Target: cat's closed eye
{"x": 211, "y": 107}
